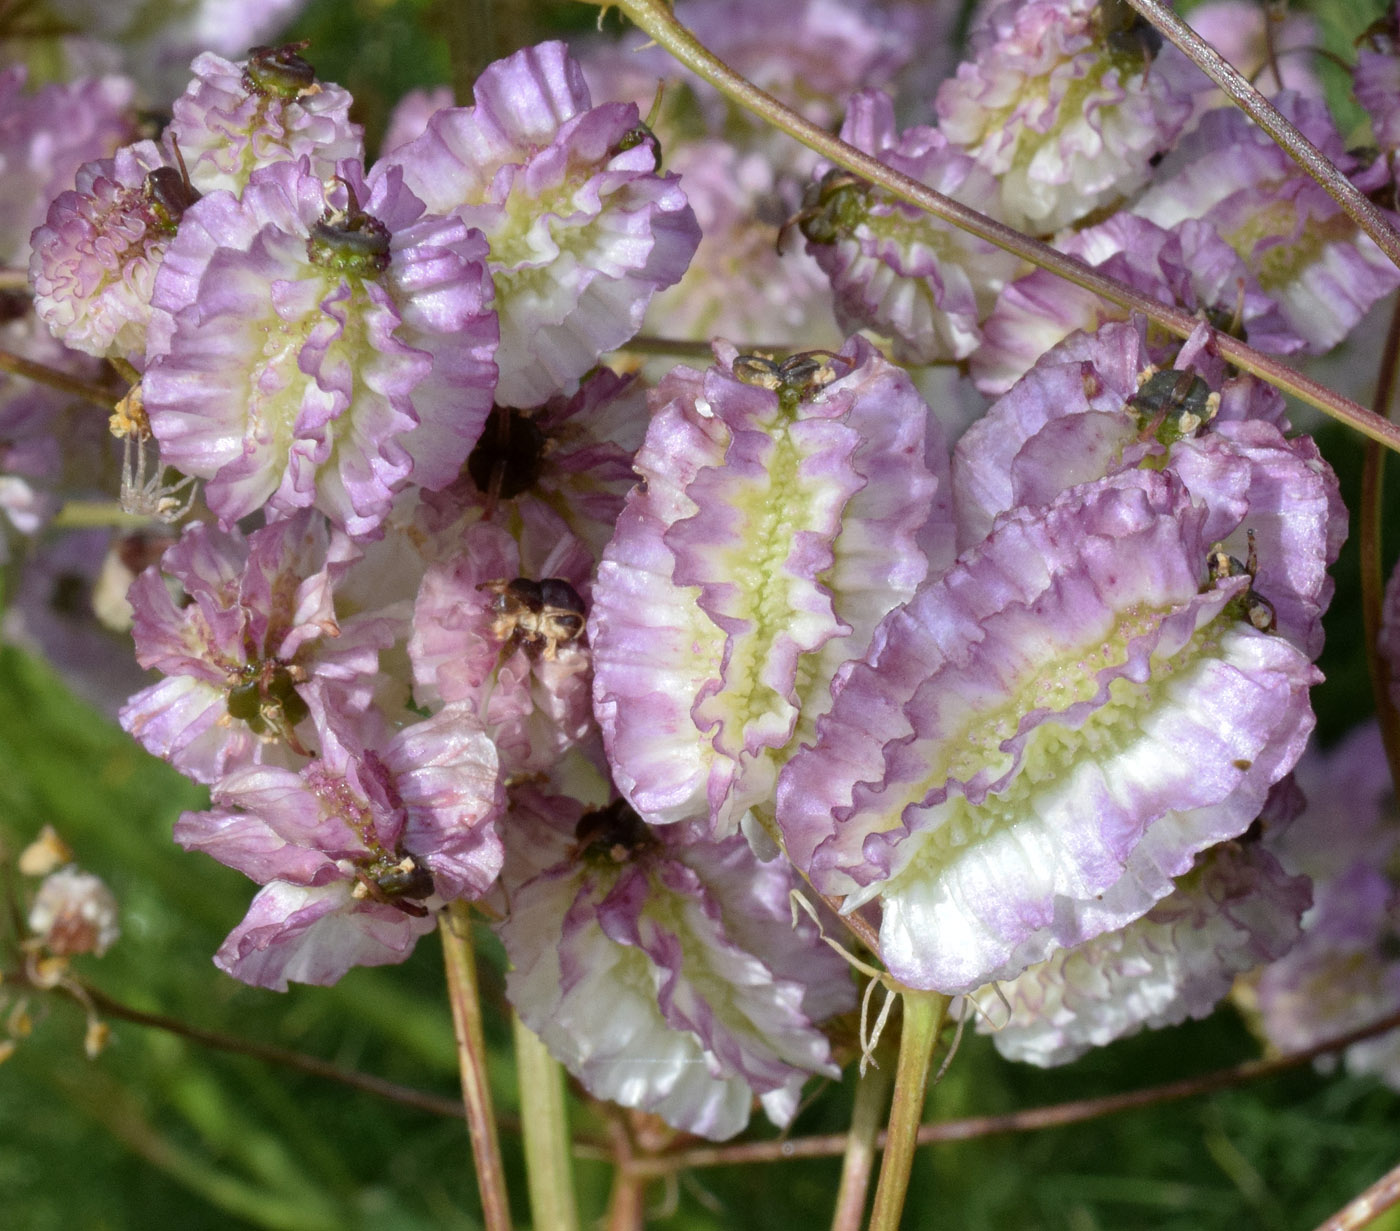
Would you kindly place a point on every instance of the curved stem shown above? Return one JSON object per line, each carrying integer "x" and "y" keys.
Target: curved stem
{"x": 1372, "y": 568}
{"x": 872, "y": 1094}
{"x": 923, "y": 1018}
{"x": 1031, "y": 1119}
{"x": 1357, "y": 206}
{"x": 655, "y": 17}
{"x": 463, "y": 992}
{"x": 544, "y": 1118}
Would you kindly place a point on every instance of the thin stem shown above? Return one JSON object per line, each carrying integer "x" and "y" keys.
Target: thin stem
{"x": 42, "y": 374}
{"x": 1368, "y": 1206}
{"x": 463, "y": 992}
{"x": 642, "y": 344}
{"x": 88, "y": 514}
{"x": 856, "y": 923}
{"x": 872, "y": 1095}
{"x": 1030, "y": 1119}
{"x": 1353, "y": 202}
{"x": 1270, "y": 51}
{"x": 1372, "y": 569}
{"x": 12, "y": 279}
{"x": 404, "y": 1095}
{"x": 627, "y": 1201}
{"x": 657, "y": 20}
{"x": 544, "y": 1117}
{"x": 923, "y": 1019}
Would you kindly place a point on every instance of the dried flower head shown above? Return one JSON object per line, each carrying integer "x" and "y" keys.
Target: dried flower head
{"x": 74, "y": 912}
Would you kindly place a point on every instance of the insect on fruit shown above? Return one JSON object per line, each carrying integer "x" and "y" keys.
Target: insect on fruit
{"x": 536, "y": 616}
{"x": 349, "y": 240}
{"x": 401, "y": 885}
{"x": 794, "y": 379}
{"x": 1172, "y": 405}
{"x": 280, "y": 71}
{"x": 832, "y": 206}
{"x": 1254, "y": 607}
{"x": 613, "y": 833}
{"x": 170, "y": 192}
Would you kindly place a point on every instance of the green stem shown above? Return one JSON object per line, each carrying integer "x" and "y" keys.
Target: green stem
{"x": 91, "y": 514}
{"x": 1372, "y": 569}
{"x": 862, "y": 1144}
{"x": 1236, "y": 86}
{"x": 657, "y": 20}
{"x": 545, "y": 1124}
{"x": 923, "y": 1018}
{"x": 463, "y": 993}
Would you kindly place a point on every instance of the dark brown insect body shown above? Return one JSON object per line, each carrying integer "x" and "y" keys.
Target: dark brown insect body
{"x": 280, "y": 71}
{"x": 536, "y": 616}
{"x": 613, "y": 833}
{"x": 401, "y": 885}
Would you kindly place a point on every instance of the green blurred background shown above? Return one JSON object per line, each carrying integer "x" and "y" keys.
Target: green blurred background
{"x": 163, "y": 1133}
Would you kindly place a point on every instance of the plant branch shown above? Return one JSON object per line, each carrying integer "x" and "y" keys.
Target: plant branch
{"x": 923, "y": 1014}
{"x": 1372, "y": 567}
{"x": 872, "y": 1096}
{"x": 856, "y": 923}
{"x": 1030, "y": 1119}
{"x": 1357, "y": 206}
{"x": 421, "y": 1100}
{"x": 463, "y": 992}
{"x": 1364, "y": 1208}
{"x": 42, "y": 374}
{"x": 657, "y": 20}
{"x": 106, "y": 514}
{"x": 627, "y": 1200}
{"x": 643, "y": 344}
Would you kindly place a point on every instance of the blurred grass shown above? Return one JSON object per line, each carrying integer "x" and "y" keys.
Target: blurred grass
{"x": 161, "y": 1124}
{"x": 162, "y": 1133}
